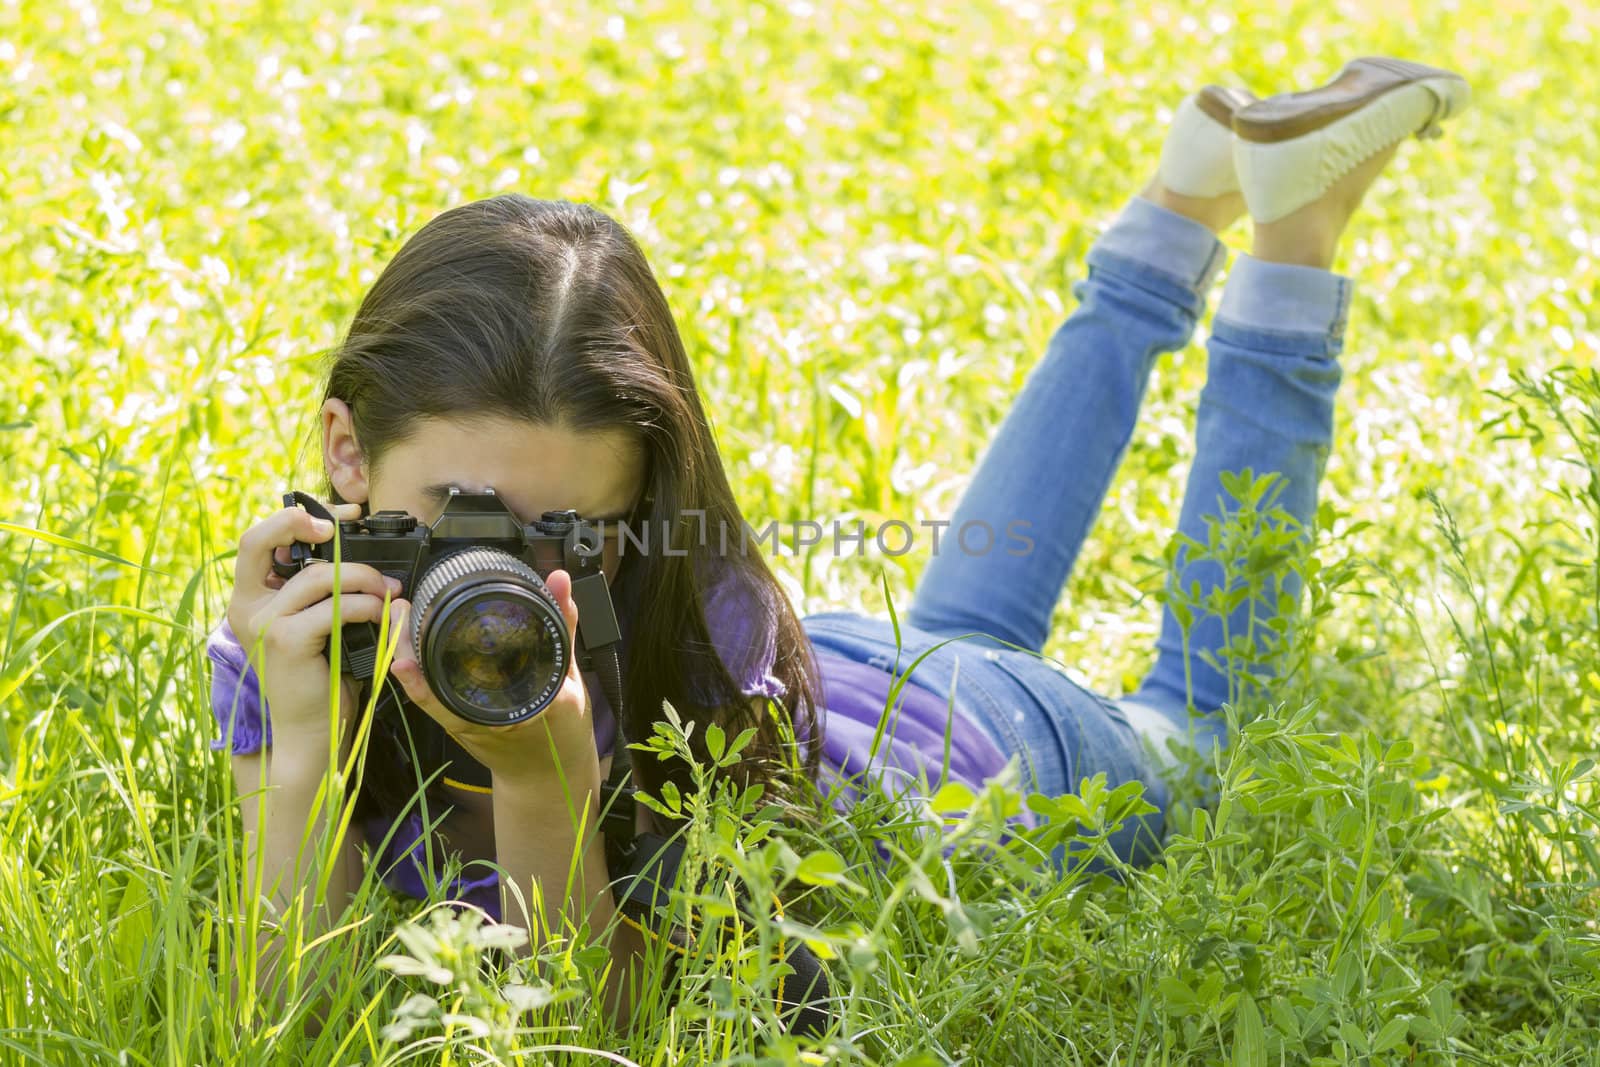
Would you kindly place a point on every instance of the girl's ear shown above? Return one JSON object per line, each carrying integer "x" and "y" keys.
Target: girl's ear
{"x": 341, "y": 453}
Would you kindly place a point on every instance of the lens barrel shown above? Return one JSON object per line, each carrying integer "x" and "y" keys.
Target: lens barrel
{"x": 490, "y": 636}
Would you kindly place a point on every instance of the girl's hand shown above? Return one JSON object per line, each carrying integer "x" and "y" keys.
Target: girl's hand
{"x": 556, "y": 744}
{"x": 292, "y": 619}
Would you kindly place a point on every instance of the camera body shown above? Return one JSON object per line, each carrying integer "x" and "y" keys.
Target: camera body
{"x": 487, "y": 631}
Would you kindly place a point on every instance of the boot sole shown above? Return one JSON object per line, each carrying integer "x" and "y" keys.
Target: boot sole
{"x": 1284, "y": 118}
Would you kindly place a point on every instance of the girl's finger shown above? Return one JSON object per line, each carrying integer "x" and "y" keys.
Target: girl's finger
{"x": 254, "y": 561}
{"x": 559, "y": 582}
{"x": 261, "y": 543}
{"x": 399, "y": 619}
{"x": 404, "y": 666}
{"x": 315, "y": 583}
{"x": 310, "y": 629}
{"x": 409, "y": 674}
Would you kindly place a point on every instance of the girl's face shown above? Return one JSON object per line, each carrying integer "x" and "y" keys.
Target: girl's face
{"x": 532, "y": 468}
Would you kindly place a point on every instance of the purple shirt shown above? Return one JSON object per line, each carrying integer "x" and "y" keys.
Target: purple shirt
{"x": 853, "y": 697}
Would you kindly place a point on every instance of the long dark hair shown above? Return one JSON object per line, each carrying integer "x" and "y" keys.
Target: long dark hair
{"x": 547, "y": 312}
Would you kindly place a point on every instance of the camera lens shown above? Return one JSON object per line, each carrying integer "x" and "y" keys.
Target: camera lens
{"x": 490, "y": 636}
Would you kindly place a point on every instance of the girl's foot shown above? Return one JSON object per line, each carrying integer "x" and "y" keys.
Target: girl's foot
{"x": 1309, "y": 236}
{"x": 1195, "y": 177}
{"x": 1305, "y": 159}
{"x": 1215, "y": 213}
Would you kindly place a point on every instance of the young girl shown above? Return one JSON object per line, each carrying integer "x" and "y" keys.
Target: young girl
{"x": 525, "y": 346}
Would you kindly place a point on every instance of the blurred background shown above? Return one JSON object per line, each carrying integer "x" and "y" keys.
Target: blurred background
{"x": 867, "y": 218}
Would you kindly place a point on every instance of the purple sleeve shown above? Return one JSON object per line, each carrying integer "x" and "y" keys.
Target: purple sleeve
{"x": 743, "y": 627}
{"x": 236, "y": 696}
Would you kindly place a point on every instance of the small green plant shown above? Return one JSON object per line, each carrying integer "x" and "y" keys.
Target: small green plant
{"x": 738, "y": 887}
{"x": 446, "y": 952}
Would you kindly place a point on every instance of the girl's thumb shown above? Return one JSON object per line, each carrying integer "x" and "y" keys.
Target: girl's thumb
{"x": 560, "y": 584}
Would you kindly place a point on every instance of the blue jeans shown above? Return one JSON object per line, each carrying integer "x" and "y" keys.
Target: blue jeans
{"x": 1268, "y": 404}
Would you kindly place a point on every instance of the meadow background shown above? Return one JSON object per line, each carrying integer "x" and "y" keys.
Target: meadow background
{"x": 867, "y": 218}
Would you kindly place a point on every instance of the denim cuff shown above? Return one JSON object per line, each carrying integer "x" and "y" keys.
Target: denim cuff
{"x": 1285, "y": 298}
{"x": 1166, "y": 242}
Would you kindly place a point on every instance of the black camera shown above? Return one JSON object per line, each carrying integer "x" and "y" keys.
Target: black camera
{"x": 484, "y": 626}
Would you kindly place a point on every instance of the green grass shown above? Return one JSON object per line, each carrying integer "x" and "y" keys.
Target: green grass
{"x": 867, "y": 221}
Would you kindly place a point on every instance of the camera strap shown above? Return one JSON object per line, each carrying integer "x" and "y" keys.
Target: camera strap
{"x": 618, "y": 801}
